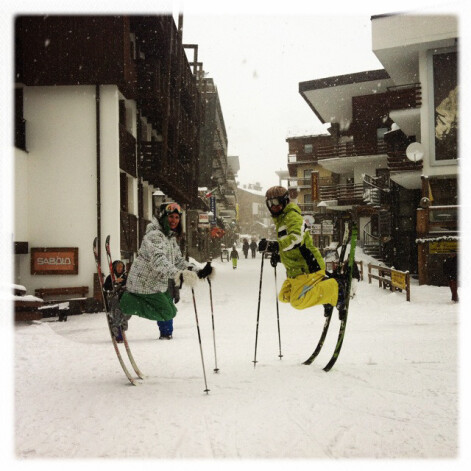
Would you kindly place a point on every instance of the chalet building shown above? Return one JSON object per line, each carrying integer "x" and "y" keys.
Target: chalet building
{"x": 254, "y": 217}
{"x": 306, "y": 177}
{"x": 394, "y": 143}
{"x": 107, "y": 125}
{"x": 216, "y": 175}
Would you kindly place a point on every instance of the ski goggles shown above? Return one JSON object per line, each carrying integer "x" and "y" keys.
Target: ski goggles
{"x": 274, "y": 202}
{"x": 173, "y": 208}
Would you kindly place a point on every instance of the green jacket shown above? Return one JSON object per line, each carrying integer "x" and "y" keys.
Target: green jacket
{"x": 297, "y": 251}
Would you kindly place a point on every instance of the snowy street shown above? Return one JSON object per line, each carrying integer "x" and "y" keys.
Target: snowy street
{"x": 393, "y": 392}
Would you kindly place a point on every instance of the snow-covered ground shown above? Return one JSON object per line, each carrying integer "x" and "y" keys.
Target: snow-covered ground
{"x": 393, "y": 392}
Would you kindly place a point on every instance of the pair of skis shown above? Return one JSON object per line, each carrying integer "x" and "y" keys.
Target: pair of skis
{"x": 349, "y": 236}
{"x": 111, "y": 304}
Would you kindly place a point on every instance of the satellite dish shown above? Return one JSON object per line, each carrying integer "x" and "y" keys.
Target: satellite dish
{"x": 415, "y": 152}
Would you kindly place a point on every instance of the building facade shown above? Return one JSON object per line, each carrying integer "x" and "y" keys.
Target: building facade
{"x": 394, "y": 134}
{"x": 105, "y": 130}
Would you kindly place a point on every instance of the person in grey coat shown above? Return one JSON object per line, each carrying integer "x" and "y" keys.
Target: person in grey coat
{"x": 154, "y": 277}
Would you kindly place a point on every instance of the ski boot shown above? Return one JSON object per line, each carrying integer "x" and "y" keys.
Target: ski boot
{"x": 328, "y": 310}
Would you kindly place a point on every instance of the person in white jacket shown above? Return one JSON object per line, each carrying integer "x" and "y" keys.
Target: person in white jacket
{"x": 156, "y": 273}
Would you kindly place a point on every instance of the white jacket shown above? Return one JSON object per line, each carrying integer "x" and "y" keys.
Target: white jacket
{"x": 158, "y": 260}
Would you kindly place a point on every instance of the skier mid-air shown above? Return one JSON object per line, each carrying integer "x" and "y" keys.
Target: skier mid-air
{"x": 306, "y": 284}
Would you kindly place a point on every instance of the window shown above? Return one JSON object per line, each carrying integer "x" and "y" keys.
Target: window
{"x": 123, "y": 192}
{"x": 20, "y": 123}
{"x": 308, "y": 148}
{"x": 443, "y": 80}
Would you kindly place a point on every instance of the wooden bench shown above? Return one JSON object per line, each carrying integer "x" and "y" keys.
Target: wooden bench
{"x": 27, "y": 310}
{"x": 61, "y": 295}
{"x": 42, "y": 293}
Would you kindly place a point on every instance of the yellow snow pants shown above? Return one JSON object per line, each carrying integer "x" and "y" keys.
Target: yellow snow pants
{"x": 309, "y": 290}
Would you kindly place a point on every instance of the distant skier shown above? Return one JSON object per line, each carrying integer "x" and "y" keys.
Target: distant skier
{"x": 156, "y": 272}
{"x": 306, "y": 284}
{"x": 253, "y": 248}
{"x": 234, "y": 257}
{"x": 245, "y": 247}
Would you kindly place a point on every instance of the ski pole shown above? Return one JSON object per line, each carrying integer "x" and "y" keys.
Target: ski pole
{"x": 277, "y": 314}
{"x": 199, "y": 339}
{"x": 258, "y": 311}
{"x": 216, "y": 369}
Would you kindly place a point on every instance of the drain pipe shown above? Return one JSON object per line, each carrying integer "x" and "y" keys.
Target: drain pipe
{"x": 98, "y": 172}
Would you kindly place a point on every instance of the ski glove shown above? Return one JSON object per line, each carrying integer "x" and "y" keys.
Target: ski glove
{"x": 268, "y": 246}
{"x": 190, "y": 278}
{"x": 275, "y": 258}
{"x": 205, "y": 272}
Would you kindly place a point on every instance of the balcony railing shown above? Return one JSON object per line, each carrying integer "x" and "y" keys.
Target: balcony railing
{"x": 349, "y": 149}
{"x": 128, "y": 232}
{"x": 302, "y": 158}
{"x": 398, "y": 161}
{"x": 307, "y": 208}
{"x": 346, "y": 194}
{"x": 127, "y": 151}
{"x": 404, "y": 97}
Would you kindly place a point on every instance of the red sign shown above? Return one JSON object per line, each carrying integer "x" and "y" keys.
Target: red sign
{"x": 315, "y": 186}
{"x": 54, "y": 261}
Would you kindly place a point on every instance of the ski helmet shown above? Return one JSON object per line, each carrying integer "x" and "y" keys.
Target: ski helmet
{"x": 164, "y": 211}
{"x": 276, "y": 196}
{"x": 170, "y": 208}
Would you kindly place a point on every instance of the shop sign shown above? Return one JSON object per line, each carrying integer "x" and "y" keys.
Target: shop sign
{"x": 212, "y": 208}
{"x": 443, "y": 246}
{"x": 54, "y": 261}
{"x": 327, "y": 228}
{"x": 315, "y": 186}
{"x": 399, "y": 279}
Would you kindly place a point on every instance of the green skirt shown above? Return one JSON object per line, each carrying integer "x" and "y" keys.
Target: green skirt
{"x": 156, "y": 306}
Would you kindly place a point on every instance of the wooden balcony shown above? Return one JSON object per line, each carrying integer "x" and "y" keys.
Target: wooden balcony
{"x": 349, "y": 149}
{"x": 127, "y": 151}
{"x": 151, "y": 161}
{"x": 307, "y": 208}
{"x": 302, "y": 158}
{"x": 404, "y": 97}
{"x": 346, "y": 194}
{"x": 142, "y": 228}
{"x": 128, "y": 232}
{"x": 398, "y": 162}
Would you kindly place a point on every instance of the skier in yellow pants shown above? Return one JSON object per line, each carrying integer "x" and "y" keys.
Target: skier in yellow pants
{"x": 306, "y": 284}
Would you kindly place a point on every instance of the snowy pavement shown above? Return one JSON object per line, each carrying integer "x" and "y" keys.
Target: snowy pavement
{"x": 393, "y": 393}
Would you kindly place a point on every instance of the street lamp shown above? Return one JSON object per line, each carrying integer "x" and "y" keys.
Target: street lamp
{"x": 158, "y": 197}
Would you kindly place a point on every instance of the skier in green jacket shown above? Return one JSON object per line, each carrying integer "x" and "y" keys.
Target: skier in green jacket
{"x": 306, "y": 284}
